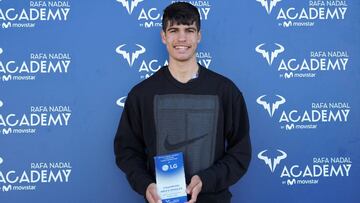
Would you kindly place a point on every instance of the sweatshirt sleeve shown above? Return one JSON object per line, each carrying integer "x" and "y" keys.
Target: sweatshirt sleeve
{"x": 235, "y": 162}
{"x": 129, "y": 148}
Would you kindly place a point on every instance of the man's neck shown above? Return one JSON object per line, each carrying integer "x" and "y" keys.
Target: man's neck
{"x": 183, "y": 71}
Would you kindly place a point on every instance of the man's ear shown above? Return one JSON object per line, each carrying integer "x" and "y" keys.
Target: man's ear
{"x": 199, "y": 37}
{"x": 163, "y": 37}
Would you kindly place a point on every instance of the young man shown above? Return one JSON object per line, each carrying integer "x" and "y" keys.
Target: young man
{"x": 185, "y": 107}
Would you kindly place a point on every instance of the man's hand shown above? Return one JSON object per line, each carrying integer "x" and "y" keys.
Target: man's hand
{"x": 194, "y": 188}
{"x": 151, "y": 194}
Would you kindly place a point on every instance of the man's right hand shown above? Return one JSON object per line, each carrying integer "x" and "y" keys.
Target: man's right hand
{"x": 151, "y": 194}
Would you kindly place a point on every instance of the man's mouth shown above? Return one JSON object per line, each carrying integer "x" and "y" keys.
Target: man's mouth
{"x": 181, "y": 47}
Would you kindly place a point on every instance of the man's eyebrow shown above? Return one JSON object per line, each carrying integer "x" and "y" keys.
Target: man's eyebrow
{"x": 172, "y": 28}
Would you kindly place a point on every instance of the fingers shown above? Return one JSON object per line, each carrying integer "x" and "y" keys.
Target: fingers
{"x": 194, "y": 188}
{"x": 194, "y": 194}
{"x": 194, "y": 181}
{"x": 153, "y": 198}
{"x": 149, "y": 198}
{"x": 151, "y": 194}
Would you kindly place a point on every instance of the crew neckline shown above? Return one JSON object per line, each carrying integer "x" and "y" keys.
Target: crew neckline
{"x": 190, "y": 84}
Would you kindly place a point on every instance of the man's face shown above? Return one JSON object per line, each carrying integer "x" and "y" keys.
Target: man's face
{"x": 181, "y": 41}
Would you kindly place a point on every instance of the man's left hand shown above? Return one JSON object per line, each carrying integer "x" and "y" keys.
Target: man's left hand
{"x": 194, "y": 188}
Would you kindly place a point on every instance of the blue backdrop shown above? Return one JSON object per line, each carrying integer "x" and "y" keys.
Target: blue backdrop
{"x": 64, "y": 80}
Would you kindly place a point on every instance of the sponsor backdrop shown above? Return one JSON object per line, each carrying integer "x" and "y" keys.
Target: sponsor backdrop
{"x": 67, "y": 66}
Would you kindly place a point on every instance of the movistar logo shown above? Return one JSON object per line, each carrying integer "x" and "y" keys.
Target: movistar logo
{"x": 6, "y": 25}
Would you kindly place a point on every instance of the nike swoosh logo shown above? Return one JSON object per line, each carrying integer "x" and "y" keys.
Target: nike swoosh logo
{"x": 173, "y": 146}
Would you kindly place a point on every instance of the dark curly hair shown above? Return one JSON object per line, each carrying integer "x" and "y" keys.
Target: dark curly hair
{"x": 181, "y": 13}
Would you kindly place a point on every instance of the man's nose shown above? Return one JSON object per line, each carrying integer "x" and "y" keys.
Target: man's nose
{"x": 182, "y": 36}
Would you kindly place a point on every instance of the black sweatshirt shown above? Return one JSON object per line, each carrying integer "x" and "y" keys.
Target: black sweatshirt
{"x": 205, "y": 118}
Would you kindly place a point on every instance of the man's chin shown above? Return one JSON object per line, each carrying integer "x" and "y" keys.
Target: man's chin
{"x": 183, "y": 58}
